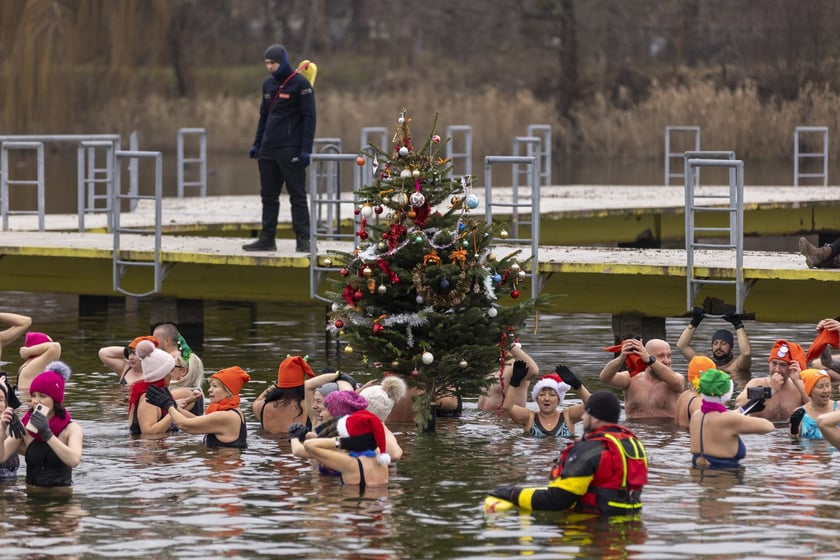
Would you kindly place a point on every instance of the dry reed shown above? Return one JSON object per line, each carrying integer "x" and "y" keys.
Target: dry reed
{"x": 730, "y": 119}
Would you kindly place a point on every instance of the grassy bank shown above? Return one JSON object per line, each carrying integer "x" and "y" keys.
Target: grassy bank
{"x": 730, "y": 119}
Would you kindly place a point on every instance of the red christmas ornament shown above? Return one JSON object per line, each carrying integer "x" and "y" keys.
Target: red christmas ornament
{"x": 378, "y": 209}
{"x": 514, "y": 294}
{"x": 363, "y": 234}
{"x": 360, "y": 161}
{"x": 415, "y": 373}
{"x": 378, "y": 328}
{"x": 359, "y": 295}
{"x": 339, "y": 324}
{"x": 345, "y": 272}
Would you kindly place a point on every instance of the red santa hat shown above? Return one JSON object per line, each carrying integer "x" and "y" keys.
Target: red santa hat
{"x": 365, "y": 422}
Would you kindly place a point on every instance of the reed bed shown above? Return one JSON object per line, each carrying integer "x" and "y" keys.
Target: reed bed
{"x": 730, "y": 119}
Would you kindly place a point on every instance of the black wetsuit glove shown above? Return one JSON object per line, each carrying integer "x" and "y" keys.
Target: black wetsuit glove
{"x": 40, "y": 423}
{"x": 735, "y": 319}
{"x": 568, "y": 377}
{"x": 273, "y": 394}
{"x": 358, "y": 443}
{"x": 697, "y": 315}
{"x": 509, "y": 493}
{"x": 520, "y": 370}
{"x": 796, "y": 420}
{"x": 159, "y": 396}
{"x": 297, "y": 430}
{"x": 16, "y": 427}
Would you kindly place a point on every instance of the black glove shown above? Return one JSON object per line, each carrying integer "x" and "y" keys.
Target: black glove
{"x": 16, "y": 427}
{"x": 795, "y": 420}
{"x": 757, "y": 405}
{"x": 274, "y": 394}
{"x": 305, "y": 159}
{"x": 358, "y": 443}
{"x": 12, "y": 400}
{"x": 735, "y": 319}
{"x": 509, "y": 493}
{"x": 520, "y": 370}
{"x": 348, "y": 378}
{"x": 40, "y": 423}
{"x": 254, "y": 151}
{"x": 159, "y": 396}
{"x": 697, "y": 315}
{"x": 568, "y": 377}
{"x": 297, "y": 430}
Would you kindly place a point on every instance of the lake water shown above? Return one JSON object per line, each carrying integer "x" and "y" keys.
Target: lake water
{"x": 171, "y": 497}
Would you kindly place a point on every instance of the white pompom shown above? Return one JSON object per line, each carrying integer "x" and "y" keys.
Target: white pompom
{"x": 383, "y": 459}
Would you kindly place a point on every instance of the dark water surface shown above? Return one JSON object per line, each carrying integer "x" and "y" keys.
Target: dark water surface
{"x": 170, "y": 497}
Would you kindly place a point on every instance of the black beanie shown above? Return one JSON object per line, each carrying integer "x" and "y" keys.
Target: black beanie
{"x": 724, "y": 335}
{"x": 277, "y": 53}
{"x": 604, "y": 406}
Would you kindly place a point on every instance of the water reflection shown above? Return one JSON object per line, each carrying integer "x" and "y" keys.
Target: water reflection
{"x": 170, "y": 496}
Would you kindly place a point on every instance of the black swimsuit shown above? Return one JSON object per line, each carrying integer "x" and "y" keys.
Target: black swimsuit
{"x": 240, "y": 442}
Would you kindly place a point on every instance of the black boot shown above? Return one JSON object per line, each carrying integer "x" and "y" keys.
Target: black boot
{"x": 261, "y": 244}
{"x": 302, "y": 244}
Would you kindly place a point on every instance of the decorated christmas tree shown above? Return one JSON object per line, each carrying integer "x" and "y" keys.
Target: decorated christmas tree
{"x": 425, "y": 296}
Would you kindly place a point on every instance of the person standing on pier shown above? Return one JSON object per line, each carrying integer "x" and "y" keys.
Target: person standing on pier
{"x": 723, "y": 344}
{"x": 651, "y": 388}
{"x": 282, "y": 146}
{"x": 827, "y": 256}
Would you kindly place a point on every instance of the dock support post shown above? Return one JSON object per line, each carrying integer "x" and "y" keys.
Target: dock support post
{"x": 626, "y": 325}
{"x": 187, "y": 314}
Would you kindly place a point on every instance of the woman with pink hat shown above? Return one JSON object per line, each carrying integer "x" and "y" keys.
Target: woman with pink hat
{"x": 38, "y": 350}
{"x": 548, "y": 392}
{"x": 157, "y": 367}
{"x": 52, "y": 442}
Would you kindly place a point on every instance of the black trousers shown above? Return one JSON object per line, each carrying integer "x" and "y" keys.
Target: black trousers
{"x": 276, "y": 169}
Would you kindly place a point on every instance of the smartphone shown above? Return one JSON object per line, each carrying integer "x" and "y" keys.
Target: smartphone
{"x": 38, "y": 408}
{"x": 759, "y": 393}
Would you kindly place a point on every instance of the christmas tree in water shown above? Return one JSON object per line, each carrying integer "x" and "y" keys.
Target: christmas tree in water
{"x": 424, "y": 296}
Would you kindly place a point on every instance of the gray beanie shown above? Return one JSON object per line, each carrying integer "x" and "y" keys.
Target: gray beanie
{"x": 277, "y": 53}
{"x": 327, "y": 388}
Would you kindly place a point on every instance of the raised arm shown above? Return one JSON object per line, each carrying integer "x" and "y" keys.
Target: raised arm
{"x": 519, "y": 414}
{"x": 113, "y": 357}
{"x": 684, "y": 342}
{"x": 744, "y": 359}
{"x": 17, "y": 326}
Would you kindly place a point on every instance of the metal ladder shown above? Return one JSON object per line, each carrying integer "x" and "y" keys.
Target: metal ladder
{"x": 518, "y": 202}
{"x": 325, "y": 213}
{"x": 6, "y": 181}
{"x": 328, "y": 177}
{"x": 121, "y": 265}
{"x": 734, "y": 232}
{"x": 543, "y": 132}
{"x": 464, "y": 156}
{"x": 90, "y": 198}
{"x": 799, "y": 155}
{"x": 201, "y": 161}
{"x": 670, "y": 155}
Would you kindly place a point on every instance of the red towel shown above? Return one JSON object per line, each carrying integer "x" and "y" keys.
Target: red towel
{"x": 634, "y": 362}
{"x": 825, "y": 338}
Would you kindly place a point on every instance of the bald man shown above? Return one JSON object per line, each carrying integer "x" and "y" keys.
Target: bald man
{"x": 652, "y": 392}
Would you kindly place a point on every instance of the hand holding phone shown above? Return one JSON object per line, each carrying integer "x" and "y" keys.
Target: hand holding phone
{"x": 38, "y": 422}
{"x": 761, "y": 392}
